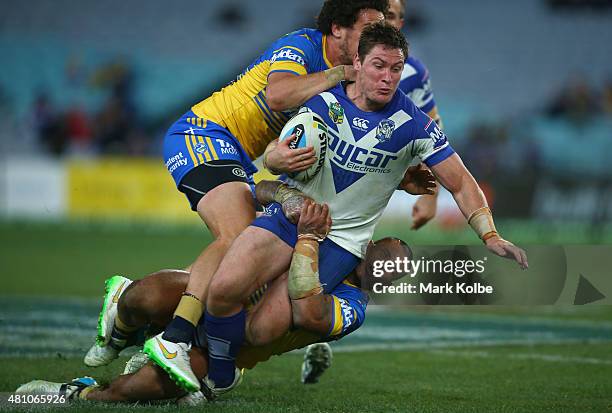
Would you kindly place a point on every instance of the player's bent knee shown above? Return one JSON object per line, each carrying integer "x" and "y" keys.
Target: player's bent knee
{"x": 223, "y": 290}
{"x": 131, "y": 297}
{"x": 225, "y": 241}
{"x": 143, "y": 299}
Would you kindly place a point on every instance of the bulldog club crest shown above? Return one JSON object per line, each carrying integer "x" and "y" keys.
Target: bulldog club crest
{"x": 336, "y": 112}
{"x": 384, "y": 130}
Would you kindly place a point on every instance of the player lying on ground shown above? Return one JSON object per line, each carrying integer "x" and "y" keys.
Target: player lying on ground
{"x": 150, "y": 303}
{"x": 361, "y": 171}
{"x": 115, "y": 333}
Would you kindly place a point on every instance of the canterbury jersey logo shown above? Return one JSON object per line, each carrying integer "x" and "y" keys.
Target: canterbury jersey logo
{"x": 118, "y": 293}
{"x": 362, "y": 124}
{"x": 165, "y": 351}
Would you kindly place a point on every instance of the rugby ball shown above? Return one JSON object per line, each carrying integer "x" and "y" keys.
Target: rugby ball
{"x": 309, "y": 130}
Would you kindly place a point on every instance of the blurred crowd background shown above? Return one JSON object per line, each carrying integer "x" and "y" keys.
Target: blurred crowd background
{"x": 524, "y": 89}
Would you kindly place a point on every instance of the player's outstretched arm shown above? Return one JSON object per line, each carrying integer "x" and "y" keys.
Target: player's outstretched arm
{"x": 455, "y": 177}
{"x": 288, "y": 91}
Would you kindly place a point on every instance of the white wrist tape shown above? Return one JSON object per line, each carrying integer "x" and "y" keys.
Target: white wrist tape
{"x": 482, "y": 223}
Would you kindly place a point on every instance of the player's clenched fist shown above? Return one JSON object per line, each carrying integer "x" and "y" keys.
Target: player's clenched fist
{"x": 315, "y": 220}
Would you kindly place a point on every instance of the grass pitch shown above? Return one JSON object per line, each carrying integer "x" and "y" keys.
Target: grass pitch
{"x": 544, "y": 378}
{"x": 425, "y": 359}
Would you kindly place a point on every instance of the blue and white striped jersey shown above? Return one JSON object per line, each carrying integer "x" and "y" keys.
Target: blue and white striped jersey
{"x": 366, "y": 158}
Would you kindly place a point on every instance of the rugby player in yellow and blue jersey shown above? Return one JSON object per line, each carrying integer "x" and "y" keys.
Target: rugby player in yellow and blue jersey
{"x": 209, "y": 151}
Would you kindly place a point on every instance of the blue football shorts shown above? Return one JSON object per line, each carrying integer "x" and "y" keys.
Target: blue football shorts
{"x": 201, "y": 155}
{"x": 335, "y": 263}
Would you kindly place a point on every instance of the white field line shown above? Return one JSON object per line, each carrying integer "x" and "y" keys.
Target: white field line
{"x": 425, "y": 333}
{"x": 78, "y": 330}
{"x": 350, "y": 348}
{"x": 526, "y": 319}
{"x": 555, "y": 358}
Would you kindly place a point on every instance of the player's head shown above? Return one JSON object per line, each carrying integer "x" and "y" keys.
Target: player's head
{"x": 371, "y": 271}
{"x": 379, "y": 63}
{"x": 395, "y": 15}
{"x": 343, "y": 20}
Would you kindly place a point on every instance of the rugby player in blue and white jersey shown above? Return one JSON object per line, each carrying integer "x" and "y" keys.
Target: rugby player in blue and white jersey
{"x": 416, "y": 84}
{"x": 365, "y": 162}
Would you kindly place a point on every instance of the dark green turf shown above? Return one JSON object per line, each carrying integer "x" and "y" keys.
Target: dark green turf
{"x": 74, "y": 258}
{"x": 408, "y": 381}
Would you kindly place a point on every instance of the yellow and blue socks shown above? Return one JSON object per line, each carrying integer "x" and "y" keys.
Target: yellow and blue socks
{"x": 182, "y": 327}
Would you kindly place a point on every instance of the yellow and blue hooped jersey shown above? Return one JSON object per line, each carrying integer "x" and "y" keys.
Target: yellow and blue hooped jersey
{"x": 349, "y": 306}
{"x": 241, "y": 106}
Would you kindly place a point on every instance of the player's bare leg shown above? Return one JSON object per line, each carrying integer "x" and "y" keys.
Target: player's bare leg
{"x": 256, "y": 257}
{"x": 226, "y": 210}
{"x": 148, "y": 383}
{"x": 267, "y": 321}
{"x": 153, "y": 299}
{"x": 271, "y": 318}
{"x": 131, "y": 305}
